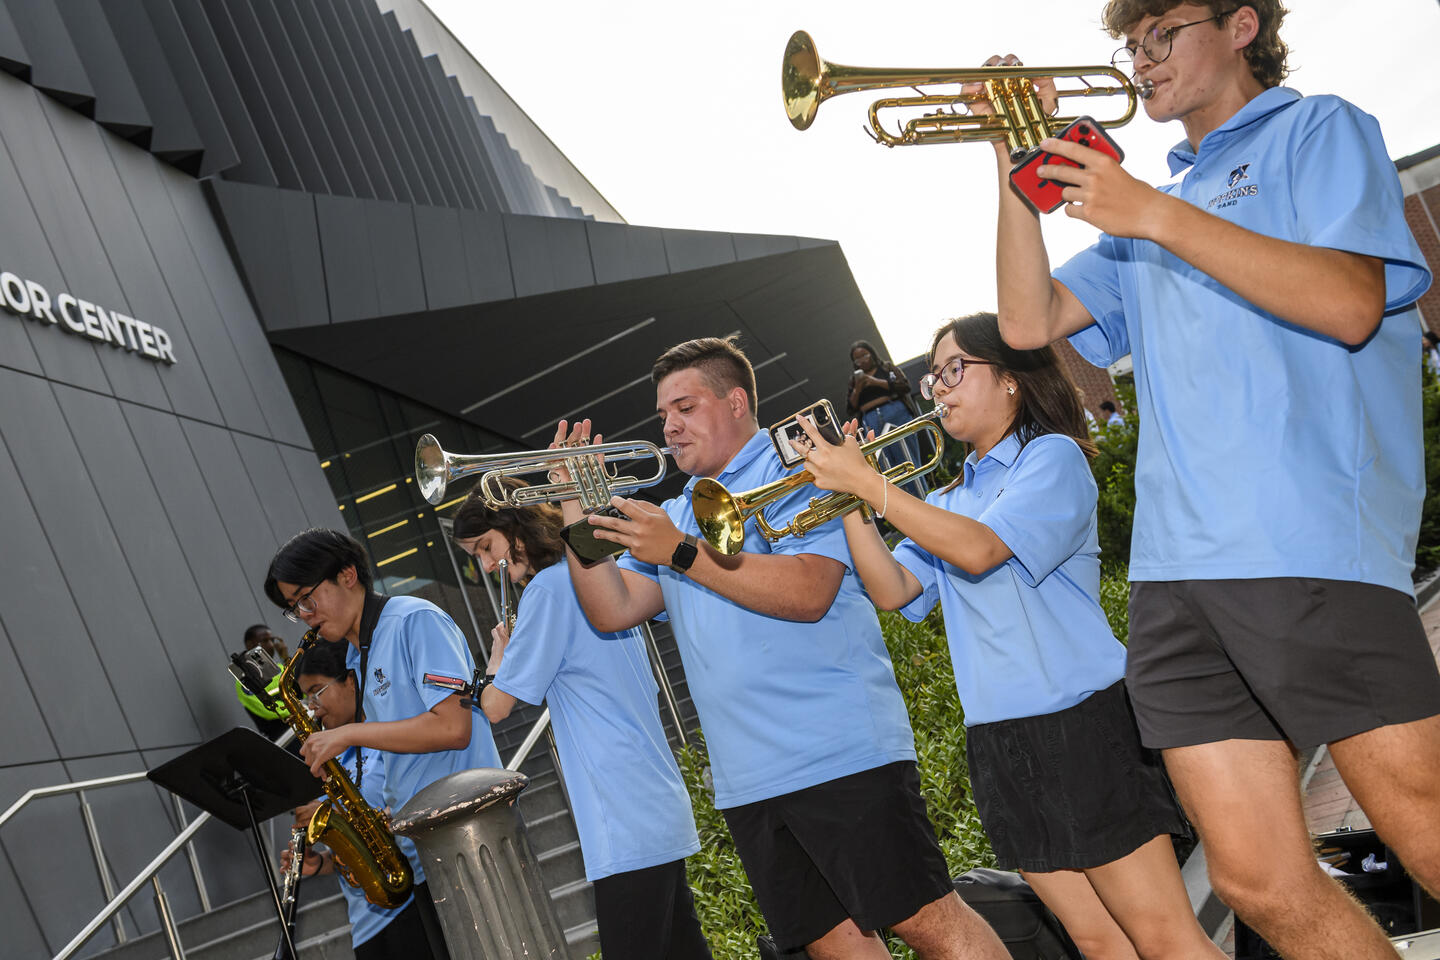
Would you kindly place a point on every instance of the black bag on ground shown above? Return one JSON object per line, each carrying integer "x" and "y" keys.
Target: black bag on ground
{"x": 1025, "y": 925}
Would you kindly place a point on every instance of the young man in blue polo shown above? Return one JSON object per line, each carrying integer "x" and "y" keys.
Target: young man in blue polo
{"x": 1267, "y": 287}
{"x": 811, "y": 750}
{"x": 322, "y": 577}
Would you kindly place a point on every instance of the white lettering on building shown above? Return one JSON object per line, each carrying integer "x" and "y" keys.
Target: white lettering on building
{"x": 28, "y": 300}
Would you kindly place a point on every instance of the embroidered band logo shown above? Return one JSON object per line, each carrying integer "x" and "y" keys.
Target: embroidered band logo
{"x": 1238, "y": 189}
{"x": 384, "y": 684}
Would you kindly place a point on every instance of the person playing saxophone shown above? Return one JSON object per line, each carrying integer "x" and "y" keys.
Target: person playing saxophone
{"x": 322, "y": 577}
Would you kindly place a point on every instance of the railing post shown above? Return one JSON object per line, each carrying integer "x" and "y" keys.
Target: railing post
{"x": 482, "y": 874}
{"x": 194, "y": 860}
{"x": 167, "y": 919}
{"x": 662, "y": 678}
{"x": 101, "y": 865}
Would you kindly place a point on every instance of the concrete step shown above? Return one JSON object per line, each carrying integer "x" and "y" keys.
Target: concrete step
{"x": 563, "y": 864}
{"x": 574, "y": 903}
{"x": 248, "y": 928}
{"x": 550, "y": 831}
{"x": 583, "y": 939}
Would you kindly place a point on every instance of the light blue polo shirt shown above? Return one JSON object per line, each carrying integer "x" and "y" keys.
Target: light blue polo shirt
{"x": 414, "y": 637}
{"x": 366, "y": 919}
{"x": 1027, "y": 637}
{"x": 784, "y": 705}
{"x": 1267, "y": 450}
{"x": 630, "y": 805}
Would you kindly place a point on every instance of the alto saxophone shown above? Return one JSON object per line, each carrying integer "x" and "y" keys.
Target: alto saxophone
{"x": 366, "y": 853}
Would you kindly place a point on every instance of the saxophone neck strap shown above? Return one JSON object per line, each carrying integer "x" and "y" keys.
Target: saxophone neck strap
{"x": 369, "y": 616}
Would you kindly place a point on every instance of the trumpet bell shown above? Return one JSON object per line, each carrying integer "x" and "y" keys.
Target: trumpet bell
{"x": 801, "y": 76}
{"x": 719, "y": 516}
{"x": 430, "y": 470}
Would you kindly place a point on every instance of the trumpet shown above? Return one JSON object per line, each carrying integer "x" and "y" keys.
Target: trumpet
{"x": 722, "y": 514}
{"x": 591, "y": 484}
{"x": 1019, "y": 118}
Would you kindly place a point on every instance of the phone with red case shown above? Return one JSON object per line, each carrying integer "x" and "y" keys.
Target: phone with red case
{"x": 1044, "y": 195}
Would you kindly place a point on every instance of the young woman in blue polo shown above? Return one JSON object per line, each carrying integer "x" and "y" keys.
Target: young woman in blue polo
{"x": 1064, "y": 789}
{"x": 631, "y": 809}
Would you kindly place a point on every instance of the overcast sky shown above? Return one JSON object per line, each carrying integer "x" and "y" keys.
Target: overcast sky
{"x": 672, "y": 109}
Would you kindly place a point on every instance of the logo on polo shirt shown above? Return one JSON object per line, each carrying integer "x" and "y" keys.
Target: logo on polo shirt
{"x": 383, "y": 683}
{"x": 1237, "y": 191}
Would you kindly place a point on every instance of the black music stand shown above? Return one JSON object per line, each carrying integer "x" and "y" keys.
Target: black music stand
{"x": 242, "y": 778}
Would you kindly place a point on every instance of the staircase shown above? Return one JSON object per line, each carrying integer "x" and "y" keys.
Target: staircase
{"x": 247, "y": 929}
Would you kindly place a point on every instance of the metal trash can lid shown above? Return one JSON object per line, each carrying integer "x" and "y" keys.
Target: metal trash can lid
{"x": 458, "y": 795}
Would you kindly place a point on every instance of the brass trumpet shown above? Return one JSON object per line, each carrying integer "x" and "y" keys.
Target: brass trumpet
{"x": 592, "y": 485}
{"x": 1019, "y": 119}
{"x": 722, "y": 514}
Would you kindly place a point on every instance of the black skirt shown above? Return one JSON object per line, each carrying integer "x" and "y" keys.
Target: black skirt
{"x": 1070, "y": 789}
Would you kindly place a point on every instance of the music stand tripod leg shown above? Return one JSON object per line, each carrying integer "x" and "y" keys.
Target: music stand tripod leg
{"x": 265, "y": 867}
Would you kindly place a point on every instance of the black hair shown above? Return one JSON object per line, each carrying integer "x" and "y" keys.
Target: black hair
{"x": 1107, "y": 406}
{"x": 252, "y": 634}
{"x": 881, "y": 364}
{"x": 1048, "y": 401}
{"x": 325, "y": 658}
{"x": 535, "y": 530}
{"x": 314, "y": 556}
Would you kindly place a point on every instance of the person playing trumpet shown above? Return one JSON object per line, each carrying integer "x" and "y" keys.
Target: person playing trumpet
{"x": 1065, "y": 791}
{"x": 811, "y": 750}
{"x": 1267, "y": 286}
{"x": 631, "y": 809}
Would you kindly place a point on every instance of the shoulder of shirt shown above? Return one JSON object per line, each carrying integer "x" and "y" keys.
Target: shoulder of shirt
{"x": 406, "y": 607}
{"x": 549, "y": 578}
{"x": 1056, "y": 447}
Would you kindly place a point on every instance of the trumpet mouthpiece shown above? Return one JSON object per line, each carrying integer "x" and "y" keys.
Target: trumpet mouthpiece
{"x": 1145, "y": 89}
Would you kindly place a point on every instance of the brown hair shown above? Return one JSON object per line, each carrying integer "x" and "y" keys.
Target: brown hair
{"x": 533, "y": 530}
{"x": 1266, "y": 53}
{"x": 1048, "y": 401}
{"x": 720, "y": 361}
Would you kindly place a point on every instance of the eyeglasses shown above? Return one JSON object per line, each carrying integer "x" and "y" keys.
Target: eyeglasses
{"x": 313, "y": 699}
{"x": 303, "y": 606}
{"x": 1158, "y": 43}
{"x": 951, "y": 374}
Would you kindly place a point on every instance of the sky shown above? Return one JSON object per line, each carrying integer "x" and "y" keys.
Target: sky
{"x": 672, "y": 109}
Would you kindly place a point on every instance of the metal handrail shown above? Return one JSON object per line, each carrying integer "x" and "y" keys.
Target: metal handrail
{"x": 662, "y": 676}
{"x": 102, "y": 863}
{"x": 531, "y": 738}
{"x": 149, "y": 872}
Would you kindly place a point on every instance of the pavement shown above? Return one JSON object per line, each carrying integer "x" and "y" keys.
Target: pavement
{"x": 1328, "y": 804}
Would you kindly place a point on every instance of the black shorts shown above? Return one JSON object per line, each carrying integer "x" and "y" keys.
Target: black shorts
{"x": 414, "y": 933}
{"x": 1070, "y": 789}
{"x": 1288, "y": 658}
{"x": 859, "y": 846}
{"x": 649, "y": 914}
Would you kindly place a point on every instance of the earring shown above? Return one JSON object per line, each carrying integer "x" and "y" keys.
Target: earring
{"x": 1010, "y": 391}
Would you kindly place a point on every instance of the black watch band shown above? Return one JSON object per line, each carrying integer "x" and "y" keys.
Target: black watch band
{"x": 685, "y": 554}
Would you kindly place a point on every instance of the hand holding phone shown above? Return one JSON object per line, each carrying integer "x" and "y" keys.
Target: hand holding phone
{"x": 789, "y": 438}
{"x": 1045, "y": 195}
{"x": 580, "y": 538}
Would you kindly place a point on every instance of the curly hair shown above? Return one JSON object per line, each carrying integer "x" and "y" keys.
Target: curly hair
{"x": 534, "y": 530}
{"x": 1266, "y": 53}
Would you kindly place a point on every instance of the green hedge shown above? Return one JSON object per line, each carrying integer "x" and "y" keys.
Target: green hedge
{"x": 1427, "y": 554}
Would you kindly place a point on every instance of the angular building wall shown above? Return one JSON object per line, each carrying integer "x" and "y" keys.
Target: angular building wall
{"x": 139, "y": 504}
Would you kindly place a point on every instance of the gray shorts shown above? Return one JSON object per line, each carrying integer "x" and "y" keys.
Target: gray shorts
{"x": 1288, "y": 658}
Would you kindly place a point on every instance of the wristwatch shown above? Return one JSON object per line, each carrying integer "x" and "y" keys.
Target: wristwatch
{"x": 685, "y": 554}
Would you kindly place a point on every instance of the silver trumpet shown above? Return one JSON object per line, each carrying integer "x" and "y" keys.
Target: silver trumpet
{"x": 591, "y": 482}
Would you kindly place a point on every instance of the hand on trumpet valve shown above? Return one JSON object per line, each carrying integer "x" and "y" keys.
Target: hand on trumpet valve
{"x": 840, "y": 467}
{"x": 567, "y": 436}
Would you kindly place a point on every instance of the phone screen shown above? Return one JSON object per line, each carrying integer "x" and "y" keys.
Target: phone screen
{"x": 790, "y": 440}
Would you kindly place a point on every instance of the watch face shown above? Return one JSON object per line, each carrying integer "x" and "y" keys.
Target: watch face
{"x": 684, "y": 555}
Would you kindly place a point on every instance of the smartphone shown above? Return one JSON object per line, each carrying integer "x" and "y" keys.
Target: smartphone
{"x": 789, "y": 438}
{"x": 1044, "y": 195}
{"x": 580, "y": 538}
